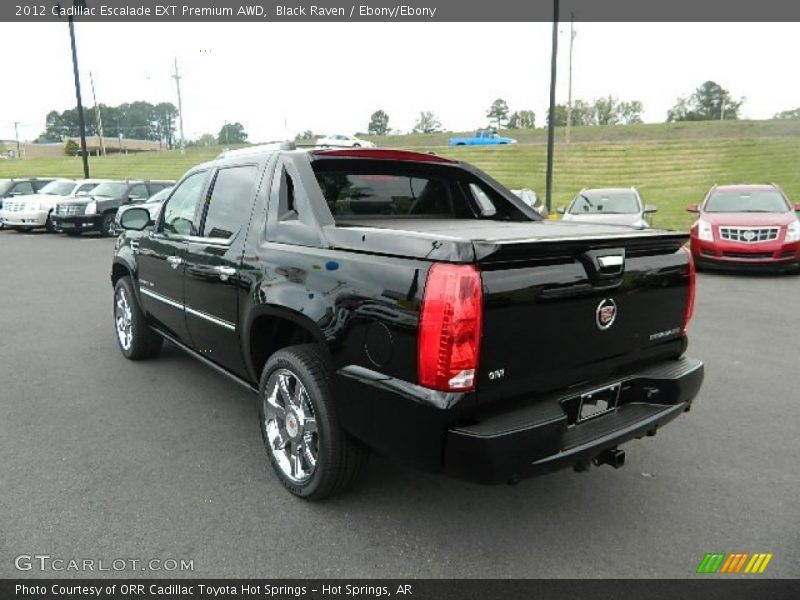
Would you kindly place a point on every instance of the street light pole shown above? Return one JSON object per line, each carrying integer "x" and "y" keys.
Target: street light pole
{"x": 177, "y": 79}
{"x": 569, "y": 97}
{"x": 81, "y": 120}
{"x": 16, "y": 136}
{"x": 551, "y": 114}
{"x": 98, "y": 118}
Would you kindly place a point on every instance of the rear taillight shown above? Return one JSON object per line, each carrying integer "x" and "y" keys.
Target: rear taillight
{"x": 688, "y": 312}
{"x": 450, "y": 328}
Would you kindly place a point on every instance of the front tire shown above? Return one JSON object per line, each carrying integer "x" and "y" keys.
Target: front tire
{"x": 107, "y": 229}
{"x": 309, "y": 452}
{"x": 135, "y": 338}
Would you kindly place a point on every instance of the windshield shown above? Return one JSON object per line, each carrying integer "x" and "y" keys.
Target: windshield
{"x": 110, "y": 188}
{"x": 392, "y": 189}
{"x": 758, "y": 201}
{"x": 605, "y": 203}
{"x": 160, "y": 196}
{"x": 58, "y": 188}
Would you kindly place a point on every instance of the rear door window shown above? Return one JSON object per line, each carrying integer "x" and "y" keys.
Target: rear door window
{"x": 230, "y": 202}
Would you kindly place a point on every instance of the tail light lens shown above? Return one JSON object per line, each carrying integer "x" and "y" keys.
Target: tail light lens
{"x": 450, "y": 328}
{"x": 689, "y": 310}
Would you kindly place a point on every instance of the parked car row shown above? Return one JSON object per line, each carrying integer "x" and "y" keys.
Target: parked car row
{"x": 72, "y": 206}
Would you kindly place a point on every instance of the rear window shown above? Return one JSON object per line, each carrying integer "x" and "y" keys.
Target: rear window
{"x": 393, "y": 189}
{"x": 605, "y": 203}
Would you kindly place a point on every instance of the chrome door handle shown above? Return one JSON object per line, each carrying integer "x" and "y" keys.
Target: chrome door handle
{"x": 225, "y": 272}
{"x": 174, "y": 261}
{"x": 134, "y": 245}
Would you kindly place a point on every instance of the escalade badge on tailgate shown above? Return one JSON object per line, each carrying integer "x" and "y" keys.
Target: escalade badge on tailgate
{"x": 606, "y": 313}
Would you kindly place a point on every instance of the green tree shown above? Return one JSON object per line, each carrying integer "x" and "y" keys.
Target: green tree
{"x": 630, "y": 111}
{"x": 709, "y": 102}
{"x": 71, "y": 148}
{"x": 606, "y": 110}
{"x": 427, "y": 122}
{"x": 498, "y": 112}
{"x": 583, "y": 113}
{"x": 232, "y": 133}
{"x": 378, "y": 123}
{"x": 522, "y": 119}
{"x": 788, "y": 114}
{"x": 304, "y": 136}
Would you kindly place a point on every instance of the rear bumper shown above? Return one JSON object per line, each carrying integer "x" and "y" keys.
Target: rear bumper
{"x": 540, "y": 437}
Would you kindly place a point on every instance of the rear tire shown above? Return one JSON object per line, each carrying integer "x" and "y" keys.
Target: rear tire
{"x": 135, "y": 338}
{"x": 309, "y": 451}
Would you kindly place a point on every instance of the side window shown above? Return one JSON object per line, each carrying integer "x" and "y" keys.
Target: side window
{"x": 230, "y": 201}
{"x": 180, "y": 209}
{"x": 85, "y": 188}
{"x": 485, "y": 204}
{"x": 24, "y": 187}
{"x": 34, "y": 187}
{"x": 286, "y": 206}
{"x": 138, "y": 191}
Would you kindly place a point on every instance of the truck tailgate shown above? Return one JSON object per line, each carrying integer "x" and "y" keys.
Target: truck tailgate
{"x": 565, "y": 311}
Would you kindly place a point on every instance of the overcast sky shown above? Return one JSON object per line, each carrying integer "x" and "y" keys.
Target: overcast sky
{"x": 331, "y": 77}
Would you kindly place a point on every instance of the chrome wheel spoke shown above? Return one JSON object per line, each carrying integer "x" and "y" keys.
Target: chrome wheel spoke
{"x": 123, "y": 318}
{"x": 290, "y": 426}
{"x": 310, "y": 425}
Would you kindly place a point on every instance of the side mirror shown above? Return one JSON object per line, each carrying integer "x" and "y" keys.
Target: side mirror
{"x": 135, "y": 219}
{"x": 650, "y": 208}
{"x": 797, "y": 207}
{"x": 693, "y": 208}
{"x": 561, "y": 210}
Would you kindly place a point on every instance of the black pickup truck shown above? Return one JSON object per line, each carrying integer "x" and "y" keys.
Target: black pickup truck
{"x": 408, "y": 304}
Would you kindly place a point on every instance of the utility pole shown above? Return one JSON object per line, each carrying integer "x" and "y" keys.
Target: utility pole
{"x": 177, "y": 79}
{"x": 16, "y": 135}
{"x": 98, "y": 118}
{"x": 76, "y": 75}
{"x": 551, "y": 114}
{"x": 569, "y": 97}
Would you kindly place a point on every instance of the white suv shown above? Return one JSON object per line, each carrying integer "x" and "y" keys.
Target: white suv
{"x": 344, "y": 141}
{"x": 33, "y": 211}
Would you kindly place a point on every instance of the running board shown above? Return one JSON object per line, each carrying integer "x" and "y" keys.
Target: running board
{"x": 206, "y": 361}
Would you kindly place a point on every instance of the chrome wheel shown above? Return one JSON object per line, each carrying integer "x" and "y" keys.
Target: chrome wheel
{"x": 122, "y": 316}
{"x": 290, "y": 426}
{"x": 111, "y": 229}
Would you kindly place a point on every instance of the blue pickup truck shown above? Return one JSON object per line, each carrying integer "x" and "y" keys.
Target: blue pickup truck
{"x": 482, "y": 137}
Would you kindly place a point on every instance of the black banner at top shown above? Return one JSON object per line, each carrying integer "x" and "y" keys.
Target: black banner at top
{"x": 397, "y": 10}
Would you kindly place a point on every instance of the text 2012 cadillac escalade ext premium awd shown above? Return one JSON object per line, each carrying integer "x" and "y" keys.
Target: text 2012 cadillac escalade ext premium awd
{"x": 409, "y": 304}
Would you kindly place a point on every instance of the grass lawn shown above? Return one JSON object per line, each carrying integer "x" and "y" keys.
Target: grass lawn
{"x": 671, "y": 164}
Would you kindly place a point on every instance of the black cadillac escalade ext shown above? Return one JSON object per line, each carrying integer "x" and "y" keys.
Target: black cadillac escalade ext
{"x": 411, "y": 305}
{"x": 97, "y": 211}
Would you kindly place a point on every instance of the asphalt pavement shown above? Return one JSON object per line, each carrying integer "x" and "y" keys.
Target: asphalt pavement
{"x": 102, "y": 458}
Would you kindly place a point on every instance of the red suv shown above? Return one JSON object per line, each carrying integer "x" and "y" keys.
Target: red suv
{"x": 746, "y": 225}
